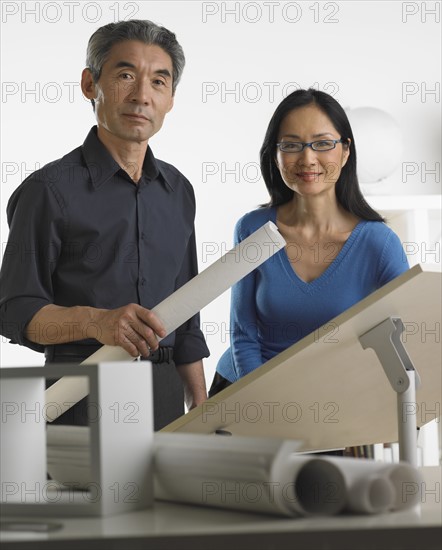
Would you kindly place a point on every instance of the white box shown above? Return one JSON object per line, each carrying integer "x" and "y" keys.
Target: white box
{"x": 121, "y": 425}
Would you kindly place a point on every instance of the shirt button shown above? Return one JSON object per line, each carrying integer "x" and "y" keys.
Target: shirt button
{"x": 143, "y": 281}
{"x": 142, "y": 236}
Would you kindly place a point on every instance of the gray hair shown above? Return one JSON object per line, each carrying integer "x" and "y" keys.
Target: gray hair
{"x": 101, "y": 42}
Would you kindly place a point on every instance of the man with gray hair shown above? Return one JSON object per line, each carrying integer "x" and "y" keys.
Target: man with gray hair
{"x": 100, "y": 236}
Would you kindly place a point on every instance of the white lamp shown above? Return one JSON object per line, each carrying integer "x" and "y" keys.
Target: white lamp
{"x": 379, "y": 145}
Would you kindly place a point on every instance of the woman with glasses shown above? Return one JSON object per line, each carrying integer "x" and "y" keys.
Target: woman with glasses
{"x": 338, "y": 249}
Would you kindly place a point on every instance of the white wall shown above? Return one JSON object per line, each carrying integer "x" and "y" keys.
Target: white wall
{"x": 380, "y": 54}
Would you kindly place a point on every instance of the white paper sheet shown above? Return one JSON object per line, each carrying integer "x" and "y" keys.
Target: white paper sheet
{"x": 177, "y": 308}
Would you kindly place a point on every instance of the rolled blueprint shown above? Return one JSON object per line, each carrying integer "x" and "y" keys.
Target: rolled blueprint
{"x": 254, "y": 474}
{"x": 376, "y": 487}
{"x": 177, "y": 308}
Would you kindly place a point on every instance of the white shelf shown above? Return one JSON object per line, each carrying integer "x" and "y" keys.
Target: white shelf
{"x": 417, "y": 221}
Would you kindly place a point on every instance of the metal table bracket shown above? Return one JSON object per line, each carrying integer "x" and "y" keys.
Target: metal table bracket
{"x": 385, "y": 340}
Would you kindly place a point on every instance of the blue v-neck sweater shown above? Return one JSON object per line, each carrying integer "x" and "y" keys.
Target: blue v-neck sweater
{"x": 272, "y": 308}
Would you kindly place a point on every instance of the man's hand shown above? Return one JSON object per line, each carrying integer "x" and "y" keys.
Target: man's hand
{"x": 132, "y": 327}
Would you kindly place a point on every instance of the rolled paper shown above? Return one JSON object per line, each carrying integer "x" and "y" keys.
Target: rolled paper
{"x": 63, "y": 395}
{"x": 220, "y": 276}
{"x": 106, "y": 354}
{"x": 256, "y": 475}
{"x": 375, "y": 487}
{"x": 177, "y": 308}
{"x": 317, "y": 487}
{"x": 243, "y": 473}
{"x": 373, "y": 494}
{"x": 188, "y": 466}
{"x": 407, "y": 481}
{"x": 263, "y": 475}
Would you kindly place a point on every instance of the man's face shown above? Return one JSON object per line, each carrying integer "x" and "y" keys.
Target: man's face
{"x": 134, "y": 91}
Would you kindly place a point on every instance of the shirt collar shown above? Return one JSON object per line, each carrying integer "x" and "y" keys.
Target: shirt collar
{"x": 102, "y": 166}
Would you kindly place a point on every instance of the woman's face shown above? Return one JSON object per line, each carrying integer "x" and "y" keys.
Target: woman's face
{"x": 310, "y": 172}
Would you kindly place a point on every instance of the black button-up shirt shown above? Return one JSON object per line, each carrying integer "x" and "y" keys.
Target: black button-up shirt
{"x": 82, "y": 233}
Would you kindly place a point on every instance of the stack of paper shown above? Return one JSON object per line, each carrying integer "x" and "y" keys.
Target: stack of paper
{"x": 68, "y": 454}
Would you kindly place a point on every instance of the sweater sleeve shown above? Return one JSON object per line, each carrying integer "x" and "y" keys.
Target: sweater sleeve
{"x": 393, "y": 261}
{"x": 246, "y": 350}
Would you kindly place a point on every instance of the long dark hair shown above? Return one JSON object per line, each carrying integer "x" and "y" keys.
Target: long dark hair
{"x": 347, "y": 188}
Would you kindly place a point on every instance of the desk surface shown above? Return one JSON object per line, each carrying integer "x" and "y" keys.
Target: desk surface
{"x": 172, "y": 526}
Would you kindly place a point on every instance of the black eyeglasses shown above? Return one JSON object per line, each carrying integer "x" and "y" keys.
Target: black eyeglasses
{"x": 298, "y": 146}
